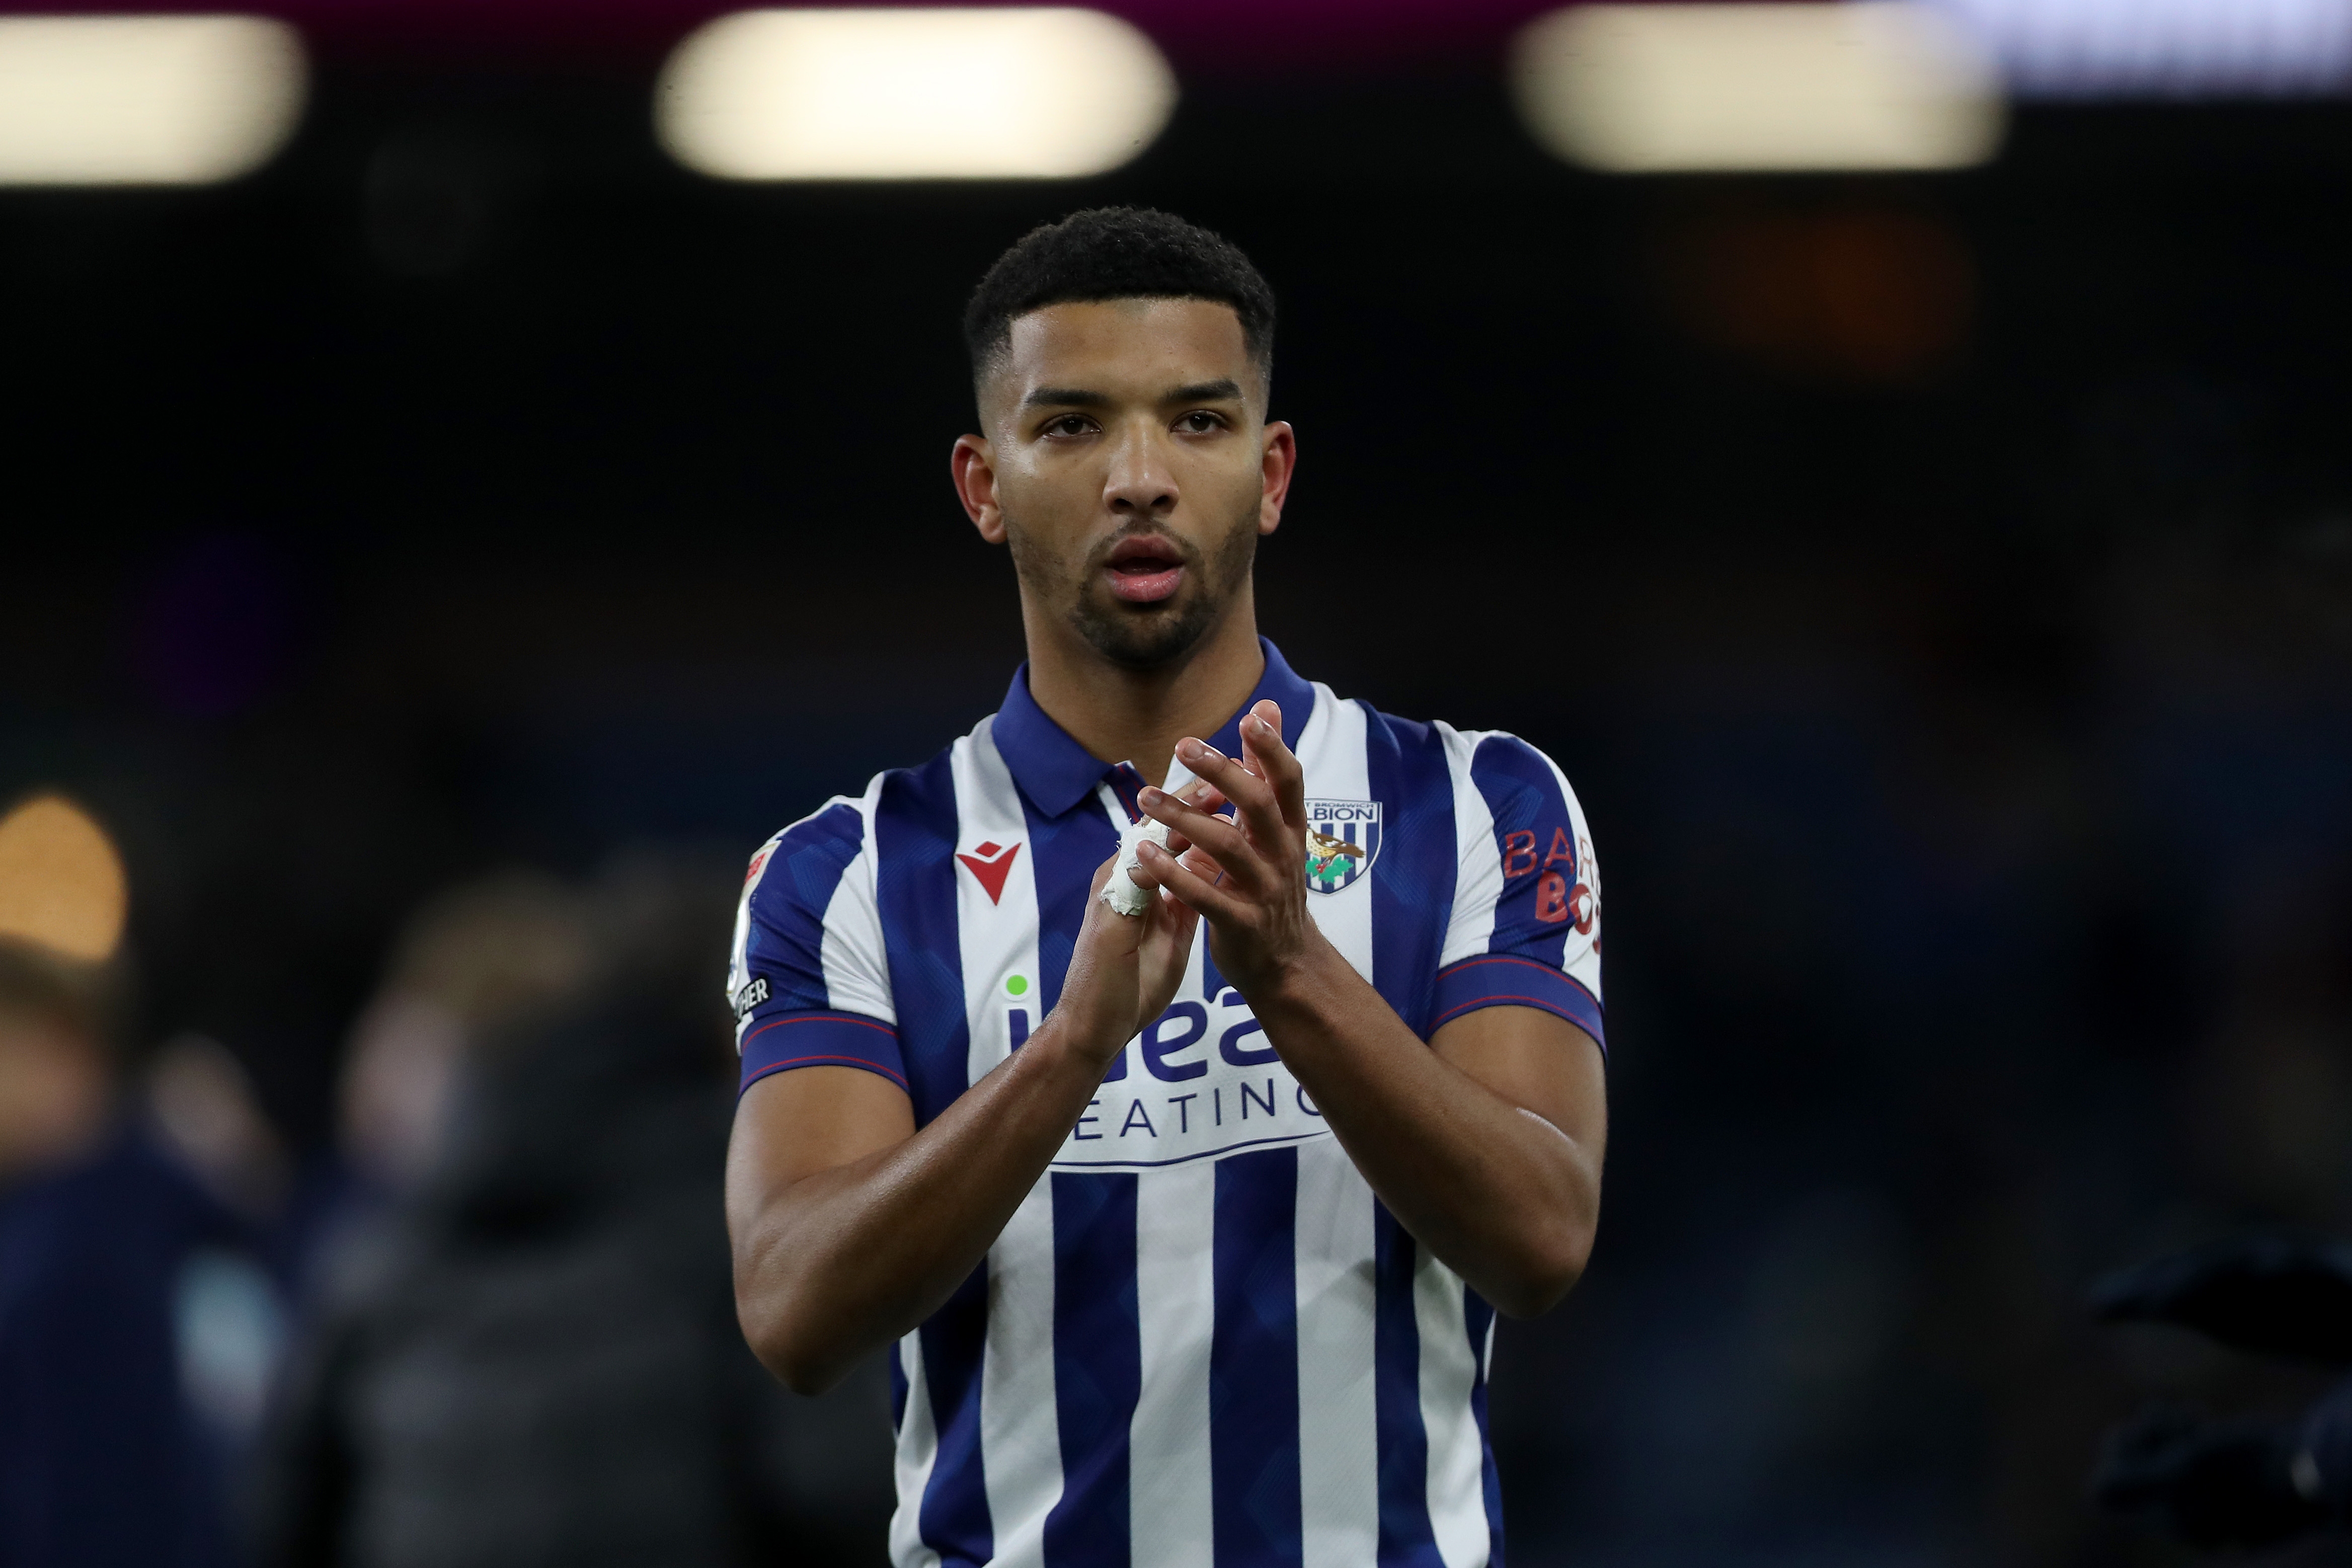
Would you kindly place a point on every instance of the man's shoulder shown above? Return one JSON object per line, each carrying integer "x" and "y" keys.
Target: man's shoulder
{"x": 905, "y": 796}
{"x": 1461, "y": 747}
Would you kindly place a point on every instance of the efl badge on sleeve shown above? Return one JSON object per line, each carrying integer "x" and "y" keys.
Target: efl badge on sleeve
{"x": 1343, "y": 839}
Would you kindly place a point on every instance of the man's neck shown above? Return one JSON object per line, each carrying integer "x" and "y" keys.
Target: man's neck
{"x": 1122, "y": 715}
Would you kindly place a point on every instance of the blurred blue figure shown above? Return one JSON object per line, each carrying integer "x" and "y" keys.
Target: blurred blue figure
{"x": 134, "y": 1329}
{"x": 2246, "y": 1482}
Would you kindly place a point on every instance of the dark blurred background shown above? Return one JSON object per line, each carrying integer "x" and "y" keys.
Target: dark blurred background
{"x": 1938, "y": 587}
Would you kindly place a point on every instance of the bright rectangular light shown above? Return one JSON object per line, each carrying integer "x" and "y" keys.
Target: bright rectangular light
{"x": 145, "y": 100}
{"x": 1673, "y": 87}
{"x": 1036, "y": 92}
{"x": 2164, "y": 49}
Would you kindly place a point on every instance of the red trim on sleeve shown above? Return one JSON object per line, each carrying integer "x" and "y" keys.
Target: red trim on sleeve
{"x": 840, "y": 1040}
{"x": 1477, "y": 982}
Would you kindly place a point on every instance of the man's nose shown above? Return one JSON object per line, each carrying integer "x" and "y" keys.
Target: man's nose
{"x": 1142, "y": 483}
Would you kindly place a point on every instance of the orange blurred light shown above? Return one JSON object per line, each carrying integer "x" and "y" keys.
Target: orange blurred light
{"x": 1869, "y": 295}
{"x": 62, "y": 881}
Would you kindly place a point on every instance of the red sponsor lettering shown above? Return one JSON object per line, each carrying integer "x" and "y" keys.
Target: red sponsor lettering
{"x": 1586, "y": 910}
{"x": 1561, "y": 850}
{"x": 1519, "y": 855}
{"x": 1551, "y": 899}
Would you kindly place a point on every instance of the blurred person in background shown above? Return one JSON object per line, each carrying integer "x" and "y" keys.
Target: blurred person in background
{"x": 135, "y": 1327}
{"x": 2241, "y": 1480}
{"x": 521, "y": 1348}
{"x": 507, "y": 950}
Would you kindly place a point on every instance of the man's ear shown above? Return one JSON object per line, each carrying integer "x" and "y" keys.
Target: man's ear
{"x": 974, "y": 467}
{"x": 1277, "y": 463}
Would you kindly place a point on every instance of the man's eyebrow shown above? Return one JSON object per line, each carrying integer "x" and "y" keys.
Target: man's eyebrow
{"x": 1065, "y": 397}
{"x": 1205, "y": 392}
{"x": 1224, "y": 390}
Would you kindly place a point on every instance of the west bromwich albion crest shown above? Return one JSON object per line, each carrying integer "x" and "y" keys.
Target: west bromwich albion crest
{"x": 1343, "y": 839}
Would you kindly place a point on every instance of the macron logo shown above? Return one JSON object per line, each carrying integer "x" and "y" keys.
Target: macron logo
{"x": 991, "y": 863}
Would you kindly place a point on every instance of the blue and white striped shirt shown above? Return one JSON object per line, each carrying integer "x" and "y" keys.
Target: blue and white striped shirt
{"x": 1200, "y": 1341}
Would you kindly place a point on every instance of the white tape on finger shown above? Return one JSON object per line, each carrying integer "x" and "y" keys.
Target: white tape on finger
{"x": 1121, "y": 892}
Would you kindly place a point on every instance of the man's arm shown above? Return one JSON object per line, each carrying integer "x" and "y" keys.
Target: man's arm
{"x": 850, "y": 1227}
{"x": 1486, "y": 1148}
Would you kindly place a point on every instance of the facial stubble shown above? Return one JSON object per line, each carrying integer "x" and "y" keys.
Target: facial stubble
{"x": 1141, "y": 637}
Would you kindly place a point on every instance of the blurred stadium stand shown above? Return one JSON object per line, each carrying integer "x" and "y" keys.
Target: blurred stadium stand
{"x": 1938, "y": 587}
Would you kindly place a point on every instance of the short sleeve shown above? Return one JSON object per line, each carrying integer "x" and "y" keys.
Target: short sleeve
{"x": 808, "y": 979}
{"x": 1525, "y": 926}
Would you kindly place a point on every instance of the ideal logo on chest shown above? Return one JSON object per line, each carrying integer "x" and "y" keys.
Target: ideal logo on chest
{"x": 1201, "y": 1081}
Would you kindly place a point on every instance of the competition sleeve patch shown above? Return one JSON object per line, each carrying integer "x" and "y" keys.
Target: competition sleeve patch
{"x": 785, "y": 905}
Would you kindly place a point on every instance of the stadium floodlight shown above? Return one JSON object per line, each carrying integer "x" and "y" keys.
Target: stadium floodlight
{"x": 2164, "y": 49}
{"x": 145, "y": 100}
{"x": 1659, "y": 89}
{"x": 887, "y": 94}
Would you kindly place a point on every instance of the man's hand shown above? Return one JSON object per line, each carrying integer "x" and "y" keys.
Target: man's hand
{"x": 1246, "y": 874}
{"x": 1126, "y": 968}
{"x": 850, "y": 1227}
{"x": 1484, "y": 1142}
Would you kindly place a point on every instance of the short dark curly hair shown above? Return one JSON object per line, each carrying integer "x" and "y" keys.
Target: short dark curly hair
{"x": 1116, "y": 253}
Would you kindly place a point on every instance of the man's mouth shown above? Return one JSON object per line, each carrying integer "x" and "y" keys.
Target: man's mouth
{"x": 1144, "y": 568}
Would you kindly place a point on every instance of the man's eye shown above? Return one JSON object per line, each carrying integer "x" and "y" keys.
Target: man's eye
{"x": 1200, "y": 422}
{"x": 1067, "y": 424}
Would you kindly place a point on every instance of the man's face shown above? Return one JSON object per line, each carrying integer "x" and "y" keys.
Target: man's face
{"x": 1129, "y": 466}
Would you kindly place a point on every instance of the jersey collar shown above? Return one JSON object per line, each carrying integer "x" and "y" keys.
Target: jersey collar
{"x": 1055, "y": 773}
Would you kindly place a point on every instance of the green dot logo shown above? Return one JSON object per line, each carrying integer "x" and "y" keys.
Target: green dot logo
{"x": 1016, "y": 985}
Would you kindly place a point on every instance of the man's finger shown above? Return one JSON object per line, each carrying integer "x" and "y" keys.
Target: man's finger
{"x": 1200, "y": 792}
{"x": 1205, "y": 795}
{"x": 1214, "y": 837}
{"x": 1125, "y": 935}
{"x": 1275, "y": 762}
{"x": 1195, "y": 891}
{"x": 1252, "y": 796}
{"x": 1203, "y": 864}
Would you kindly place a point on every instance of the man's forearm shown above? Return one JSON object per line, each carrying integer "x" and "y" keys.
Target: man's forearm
{"x": 1500, "y": 1195}
{"x": 845, "y": 1260}
{"x": 1505, "y": 1197}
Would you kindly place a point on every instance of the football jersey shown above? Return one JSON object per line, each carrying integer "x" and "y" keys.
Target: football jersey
{"x": 1200, "y": 1341}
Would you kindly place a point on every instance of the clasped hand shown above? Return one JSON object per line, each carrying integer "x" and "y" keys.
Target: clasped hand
{"x": 1246, "y": 874}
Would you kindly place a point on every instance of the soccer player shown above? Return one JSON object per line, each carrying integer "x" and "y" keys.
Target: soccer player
{"x": 1187, "y": 1252}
